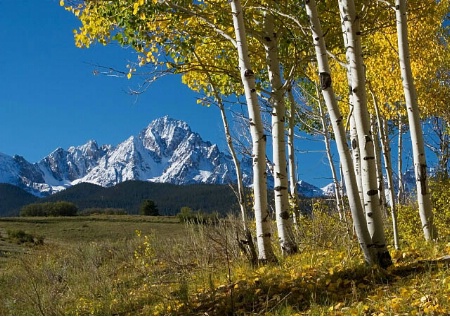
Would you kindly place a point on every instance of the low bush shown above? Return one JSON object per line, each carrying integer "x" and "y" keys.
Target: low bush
{"x": 21, "y": 237}
{"x": 187, "y": 215}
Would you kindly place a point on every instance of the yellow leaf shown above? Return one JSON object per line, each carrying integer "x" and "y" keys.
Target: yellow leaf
{"x": 129, "y": 75}
{"x": 61, "y": 3}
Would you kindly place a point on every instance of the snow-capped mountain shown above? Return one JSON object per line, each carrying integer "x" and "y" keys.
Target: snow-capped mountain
{"x": 308, "y": 190}
{"x": 329, "y": 190}
{"x": 19, "y": 172}
{"x": 166, "y": 151}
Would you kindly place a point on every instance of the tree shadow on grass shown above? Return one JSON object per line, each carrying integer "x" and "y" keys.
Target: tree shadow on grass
{"x": 265, "y": 295}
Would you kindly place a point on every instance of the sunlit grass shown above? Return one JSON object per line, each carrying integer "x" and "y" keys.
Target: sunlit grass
{"x": 119, "y": 265}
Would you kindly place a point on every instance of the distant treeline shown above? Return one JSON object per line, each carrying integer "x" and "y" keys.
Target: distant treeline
{"x": 169, "y": 198}
{"x": 129, "y": 196}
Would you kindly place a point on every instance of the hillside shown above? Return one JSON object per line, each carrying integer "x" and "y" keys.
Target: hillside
{"x": 12, "y": 198}
{"x": 129, "y": 195}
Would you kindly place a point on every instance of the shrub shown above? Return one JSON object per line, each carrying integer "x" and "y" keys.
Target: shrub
{"x": 54, "y": 209}
{"x": 21, "y": 237}
{"x": 187, "y": 215}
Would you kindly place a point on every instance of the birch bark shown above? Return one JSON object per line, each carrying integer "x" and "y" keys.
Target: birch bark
{"x": 401, "y": 187}
{"x": 386, "y": 149}
{"x": 351, "y": 21}
{"x": 336, "y": 121}
{"x": 262, "y": 218}
{"x": 356, "y": 155}
{"x": 281, "y": 194}
{"x": 291, "y": 159}
{"x": 379, "y": 168}
{"x": 419, "y": 159}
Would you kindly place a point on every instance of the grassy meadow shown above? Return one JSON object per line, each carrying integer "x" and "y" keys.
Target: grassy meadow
{"x": 137, "y": 265}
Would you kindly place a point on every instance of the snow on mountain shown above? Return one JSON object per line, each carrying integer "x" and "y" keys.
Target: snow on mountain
{"x": 166, "y": 151}
{"x": 61, "y": 167}
{"x": 328, "y": 190}
{"x": 307, "y": 190}
{"x": 19, "y": 172}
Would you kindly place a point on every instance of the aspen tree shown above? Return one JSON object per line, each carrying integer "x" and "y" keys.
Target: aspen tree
{"x": 386, "y": 150}
{"x": 400, "y": 184}
{"x": 377, "y": 151}
{"x": 356, "y": 207}
{"x": 291, "y": 157}
{"x": 262, "y": 217}
{"x": 281, "y": 196}
{"x": 419, "y": 158}
{"x": 248, "y": 242}
{"x": 352, "y": 36}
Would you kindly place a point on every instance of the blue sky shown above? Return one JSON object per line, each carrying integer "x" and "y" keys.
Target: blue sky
{"x": 50, "y": 97}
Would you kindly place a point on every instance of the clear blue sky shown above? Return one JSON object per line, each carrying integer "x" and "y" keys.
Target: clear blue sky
{"x": 49, "y": 97}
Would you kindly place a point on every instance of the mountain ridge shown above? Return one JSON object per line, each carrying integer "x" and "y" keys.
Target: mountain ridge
{"x": 166, "y": 151}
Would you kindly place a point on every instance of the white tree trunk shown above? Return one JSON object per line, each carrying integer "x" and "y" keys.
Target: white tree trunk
{"x": 281, "y": 193}
{"x": 262, "y": 217}
{"x": 353, "y": 48}
{"x": 326, "y": 140}
{"x": 356, "y": 155}
{"x": 250, "y": 246}
{"x": 377, "y": 151}
{"x": 420, "y": 164}
{"x": 356, "y": 207}
{"x": 401, "y": 186}
{"x": 386, "y": 150}
{"x": 291, "y": 159}
{"x": 241, "y": 194}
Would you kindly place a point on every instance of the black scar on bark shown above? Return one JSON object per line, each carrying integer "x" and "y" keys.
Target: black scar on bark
{"x": 248, "y": 73}
{"x": 423, "y": 178}
{"x": 325, "y": 80}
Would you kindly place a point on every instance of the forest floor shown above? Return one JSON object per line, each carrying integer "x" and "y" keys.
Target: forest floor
{"x": 137, "y": 265}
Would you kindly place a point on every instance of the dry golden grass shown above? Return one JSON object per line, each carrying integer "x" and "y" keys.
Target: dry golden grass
{"x": 116, "y": 265}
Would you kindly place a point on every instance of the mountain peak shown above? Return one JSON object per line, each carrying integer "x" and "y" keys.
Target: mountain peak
{"x": 166, "y": 151}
